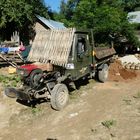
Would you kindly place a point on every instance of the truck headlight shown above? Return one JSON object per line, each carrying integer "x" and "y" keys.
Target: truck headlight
{"x": 70, "y": 66}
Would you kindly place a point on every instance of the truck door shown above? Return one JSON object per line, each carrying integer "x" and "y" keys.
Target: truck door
{"x": 82, "y": 52}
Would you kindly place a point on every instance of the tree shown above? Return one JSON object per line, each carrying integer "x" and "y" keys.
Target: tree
{"x": 130, "y": 5}
{"x": 67, "y": 10}
{"x": 108, "y": 20}
{"x": 84, "y": 14}
{"x": 126, "y": 5}
{"x": 104, "y": 17}
{"x": 61, "y": 16}
{"x": 19, "y": 11}
{"x": 19, "y": 14}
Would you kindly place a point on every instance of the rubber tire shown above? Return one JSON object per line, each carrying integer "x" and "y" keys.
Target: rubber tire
{"x": 32, "y": 75}
{"x": 103, "y": 73}
{"x": 10, "y": 92}
{"x": 57, "y": 90}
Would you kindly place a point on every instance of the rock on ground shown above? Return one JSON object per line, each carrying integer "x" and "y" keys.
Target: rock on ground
{"x": 129, "y": 59}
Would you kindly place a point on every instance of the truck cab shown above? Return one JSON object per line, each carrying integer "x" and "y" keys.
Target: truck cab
{"x": 80, "y": 58}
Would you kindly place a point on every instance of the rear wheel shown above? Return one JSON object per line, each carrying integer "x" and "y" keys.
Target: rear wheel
{"x": 59, "y": 96}
{"x": 103, "y": 73}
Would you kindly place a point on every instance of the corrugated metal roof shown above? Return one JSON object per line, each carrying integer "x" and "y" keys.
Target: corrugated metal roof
{"x": 51, "y": 23}
{"x": 134, "y": 17}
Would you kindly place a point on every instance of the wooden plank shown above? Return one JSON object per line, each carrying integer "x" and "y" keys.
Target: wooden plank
{"x": 8, "y": 61}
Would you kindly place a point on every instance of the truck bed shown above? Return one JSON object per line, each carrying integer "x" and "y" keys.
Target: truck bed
{"x": 102, "y": 52}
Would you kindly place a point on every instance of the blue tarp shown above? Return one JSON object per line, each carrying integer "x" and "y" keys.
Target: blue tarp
{"x": 4, "y": 50}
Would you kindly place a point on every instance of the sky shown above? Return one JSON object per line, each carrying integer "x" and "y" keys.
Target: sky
{"x": 54, "y": 4}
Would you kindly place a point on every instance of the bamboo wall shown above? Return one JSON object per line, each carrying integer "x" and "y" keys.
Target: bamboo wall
{"x": 53, "y": 46}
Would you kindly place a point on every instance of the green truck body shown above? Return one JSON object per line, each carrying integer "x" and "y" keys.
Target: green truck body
{"x": 71, "y": 55}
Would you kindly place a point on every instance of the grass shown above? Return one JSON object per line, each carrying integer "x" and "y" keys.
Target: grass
{"x": 35, "y": 111}
{"x": 10, "y": 80}
{"x": 108, "y": 123}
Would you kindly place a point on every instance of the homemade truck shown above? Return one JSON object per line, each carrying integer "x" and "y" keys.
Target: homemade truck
{"x": 65, "y": 56}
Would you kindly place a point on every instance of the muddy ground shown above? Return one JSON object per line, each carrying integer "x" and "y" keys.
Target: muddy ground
{"x": 96, "y": 111}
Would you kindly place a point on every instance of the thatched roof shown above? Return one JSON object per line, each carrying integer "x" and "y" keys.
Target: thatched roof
{"x": 53, "y": 46}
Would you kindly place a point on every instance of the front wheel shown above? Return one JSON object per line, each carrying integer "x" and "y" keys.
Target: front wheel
{"x": 103, "y": 73}
{"x": 59, "y": 96}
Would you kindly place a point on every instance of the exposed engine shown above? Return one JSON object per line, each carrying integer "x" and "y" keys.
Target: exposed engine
{"x": 36, "y": 83}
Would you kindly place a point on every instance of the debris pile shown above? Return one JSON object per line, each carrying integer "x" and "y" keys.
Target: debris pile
{"x": 137, "y": 56}
{"x": 130, "y": 62}
{"x": 118, "y": 73}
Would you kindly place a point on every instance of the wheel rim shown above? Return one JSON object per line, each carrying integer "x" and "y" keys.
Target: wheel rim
{"x": 62, "y": 97}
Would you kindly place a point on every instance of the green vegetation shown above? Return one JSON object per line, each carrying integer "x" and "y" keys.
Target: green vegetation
{"x": 105, "y": 17}
{"x": 17, "y": 12}
{"x": 108, "y": 123}
{"x": 35, "y": 111}
{"x": 19, "y": 15}
{"x": 10, "y": 80}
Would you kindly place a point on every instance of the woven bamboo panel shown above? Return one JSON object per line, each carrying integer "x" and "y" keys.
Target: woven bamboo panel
{"x": 53, "y": 46}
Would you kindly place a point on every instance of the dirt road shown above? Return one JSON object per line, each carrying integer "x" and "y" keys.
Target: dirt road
{"x": 97, "y": 111}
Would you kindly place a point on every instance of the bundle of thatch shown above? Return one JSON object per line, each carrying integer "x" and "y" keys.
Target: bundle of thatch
{"x": 53, "y": 46}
